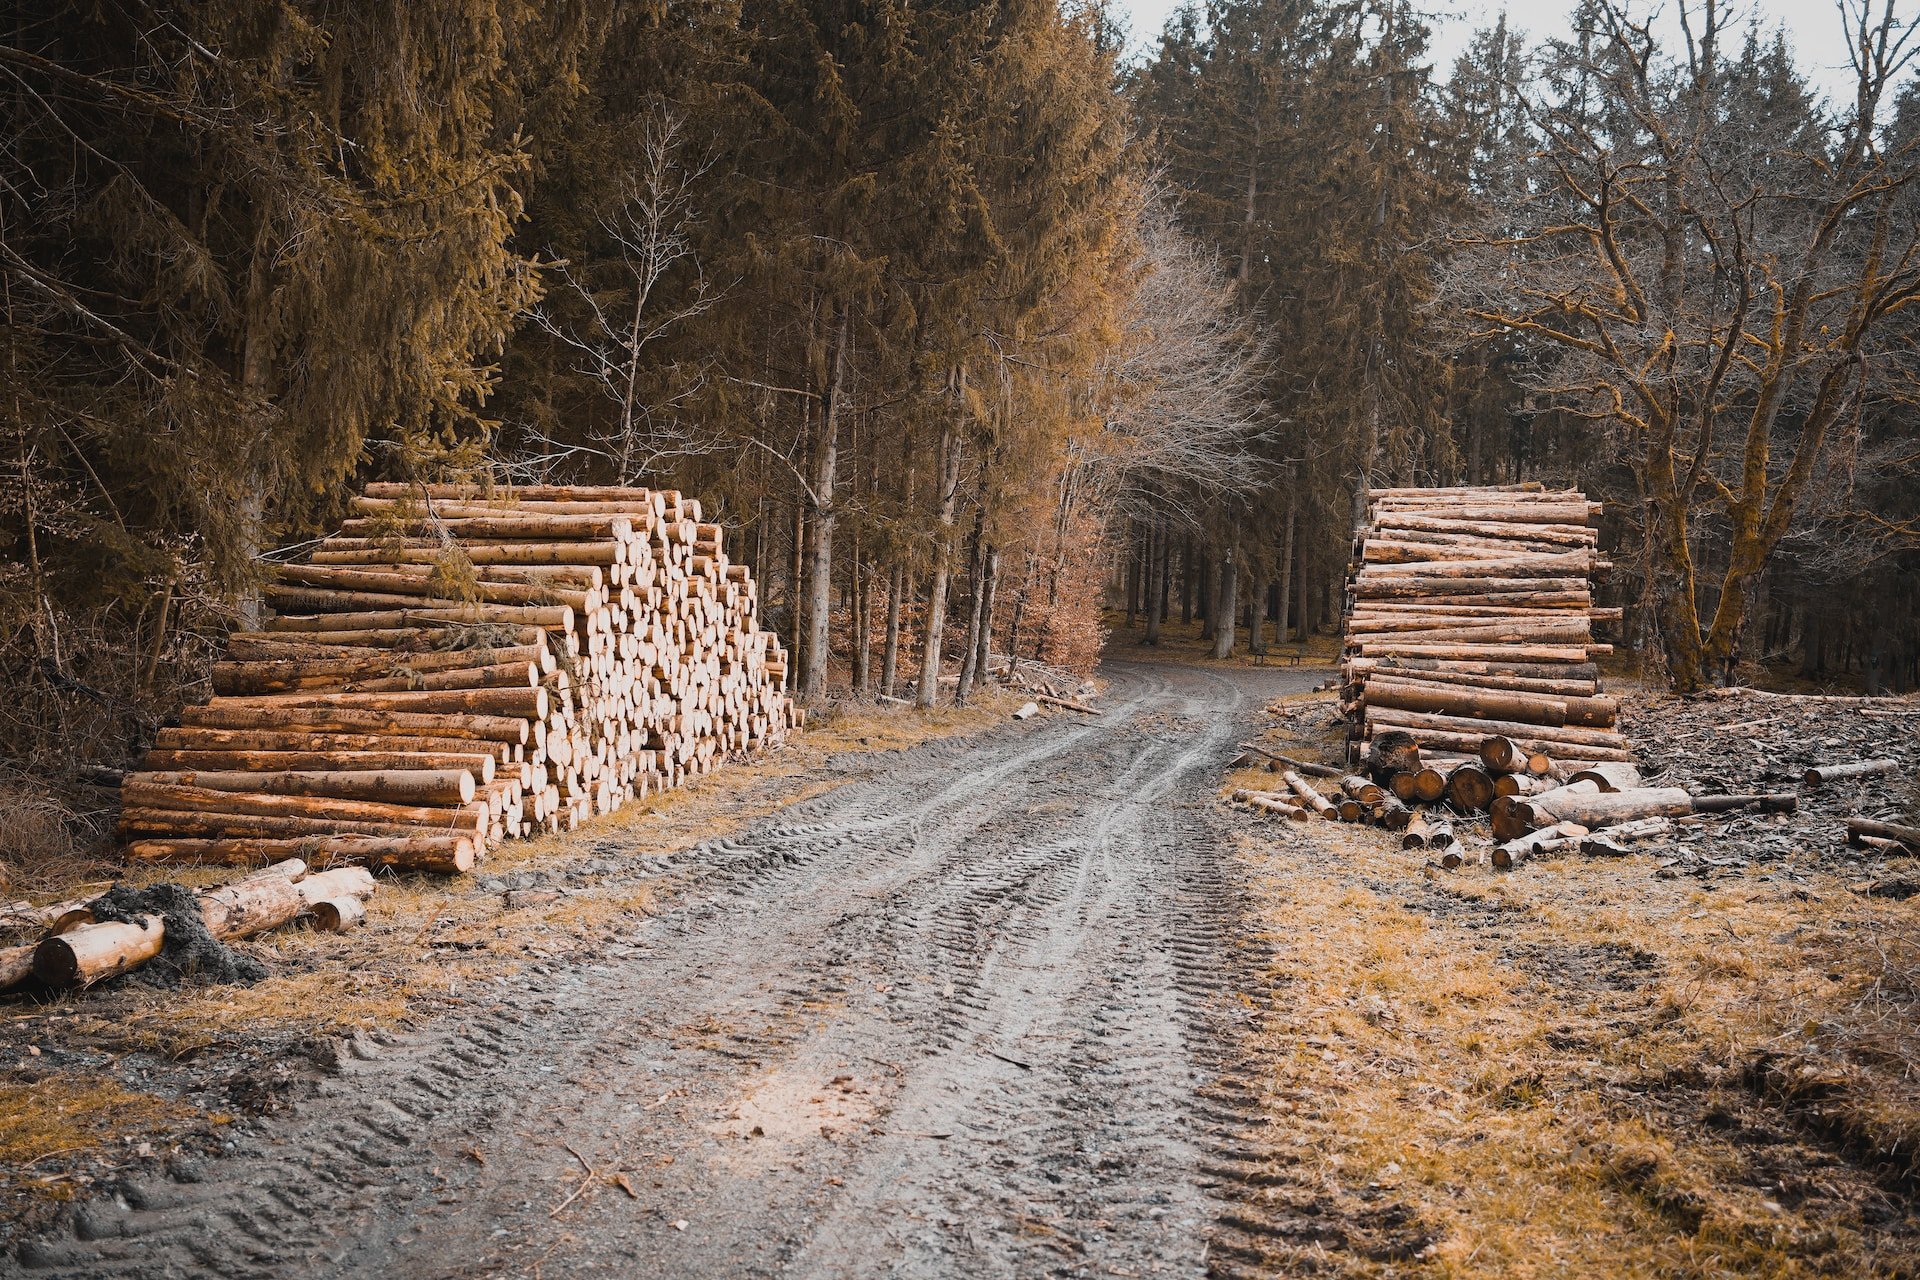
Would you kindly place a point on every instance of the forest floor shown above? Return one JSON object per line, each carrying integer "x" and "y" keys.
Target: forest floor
{"x": 1032, "y": 999}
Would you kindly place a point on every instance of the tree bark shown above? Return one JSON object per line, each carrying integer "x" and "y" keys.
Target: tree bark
{"x": 813, "y": 670}
{"x": 890, "y": 657}
{"x": 976, "y": 575}
{"x": 1156, "y": 580}
{"x": 928, "y": 690}
{"x": 1226, "y": 609}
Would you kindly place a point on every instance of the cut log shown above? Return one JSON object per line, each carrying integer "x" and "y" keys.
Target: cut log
{"x": 449, "y": 854}
{"x": 1821, "y": 775}
{"x": 1859, "y": 828}
{"x": 1470, "y": 789}
{"x": 446, "y": 787}
{"x": 1520, "y": 731}
{"x": 1068, "y": 703}
{"x": 1770, "y": 802}
{"x": 1414, "y": 835}
{"x": 1392, "y": 753}
{"x": 321, "y": 673}
{"x": 1306, "y": 767}
{"x": 526, "y": 701}
{"x": 348, "y": 720}
{"x": 1463, "y": 701}
{"x": 16, "y": 965}
{"x": 1609, "y": 775}
{"x": 1363, "y": 790}
{"x": 482, "y": 767}
{"x": 1314, "y": 800}
{"x": 1604, "y": 810}
{"x": 1392, "y": 814}
{"x": 93, "y": 952}
{"x": 182, "y": 796}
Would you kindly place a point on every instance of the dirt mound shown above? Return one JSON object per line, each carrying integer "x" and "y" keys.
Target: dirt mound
{"x": 190, "y": 954}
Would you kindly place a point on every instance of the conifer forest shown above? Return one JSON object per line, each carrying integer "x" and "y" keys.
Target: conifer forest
{"x": 972, "y": 638}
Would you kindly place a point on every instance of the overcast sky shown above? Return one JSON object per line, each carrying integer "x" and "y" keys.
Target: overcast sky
{"x": 1813, "y": 27}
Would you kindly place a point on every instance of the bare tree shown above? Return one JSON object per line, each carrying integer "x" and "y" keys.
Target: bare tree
{"x": 1710, "y": 265}
{"x": 650, "y": 231}
{"x": 1182, "y": 386}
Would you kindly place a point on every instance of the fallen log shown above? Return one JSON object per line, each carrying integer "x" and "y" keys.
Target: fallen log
{"x": 90, "y": 953}
{"x": 1859, "y": 828}
{"x": 1772, "y": 802}
{"x": 1068, "y": 703}
{"x": 1820, "y": 775}
{"x": 1300, "y": 766}
{"x": 1603, "y": 810}
{"x": 1314, "y": 800}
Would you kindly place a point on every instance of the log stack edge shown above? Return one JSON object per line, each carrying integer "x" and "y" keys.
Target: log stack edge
{"x": 459, "y": 666}
{"x": 1470, "y": 616}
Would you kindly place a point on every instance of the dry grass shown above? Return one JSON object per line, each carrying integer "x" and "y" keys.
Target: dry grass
{"x": 1548, "y": 1069}
{"x": 53, "y": 1116}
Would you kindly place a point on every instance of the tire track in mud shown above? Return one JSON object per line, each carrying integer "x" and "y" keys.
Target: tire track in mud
{"x": 980, "y": 1012}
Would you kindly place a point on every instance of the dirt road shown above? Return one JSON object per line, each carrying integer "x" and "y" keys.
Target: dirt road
{"x": 974, "y": 1013}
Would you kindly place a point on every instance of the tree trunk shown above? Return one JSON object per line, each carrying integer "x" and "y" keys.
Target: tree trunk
{"x": 1156, "y": 580}
{"x": 1204, "y": 586}
{"x": 1283, "y": 627}
{"x": 1186, "y": 579}
{"x": 1257, "y": 616}
{"x": 796, "y": 568}
{"x": 970, "y": 646}
{"x": 928, "y": 691}
{"x": 1226, "y": 609}
{"x": 984, "y": 653}
{"x": 890, "y": 657}
{"x": 813, "y": 670}
{"x": 1133, "y": 576}
{"x": 862, "y": 622}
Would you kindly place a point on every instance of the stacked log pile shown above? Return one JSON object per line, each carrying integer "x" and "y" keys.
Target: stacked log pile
{"x": 458, "y": 667}
{"x": 1470, "y": 618}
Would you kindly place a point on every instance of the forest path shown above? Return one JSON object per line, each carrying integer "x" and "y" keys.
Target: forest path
{"x": 973, "y": 1013}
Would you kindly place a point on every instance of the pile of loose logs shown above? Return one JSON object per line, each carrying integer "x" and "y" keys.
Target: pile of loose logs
{"x": 1470, "y": 616}
{"x": 1534, "y": 806}
{"x": 459, "y": 666}
{"x": 78, "y": 950}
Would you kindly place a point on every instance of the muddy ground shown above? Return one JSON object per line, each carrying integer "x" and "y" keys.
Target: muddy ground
{"x": 1036, "y": 1001}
